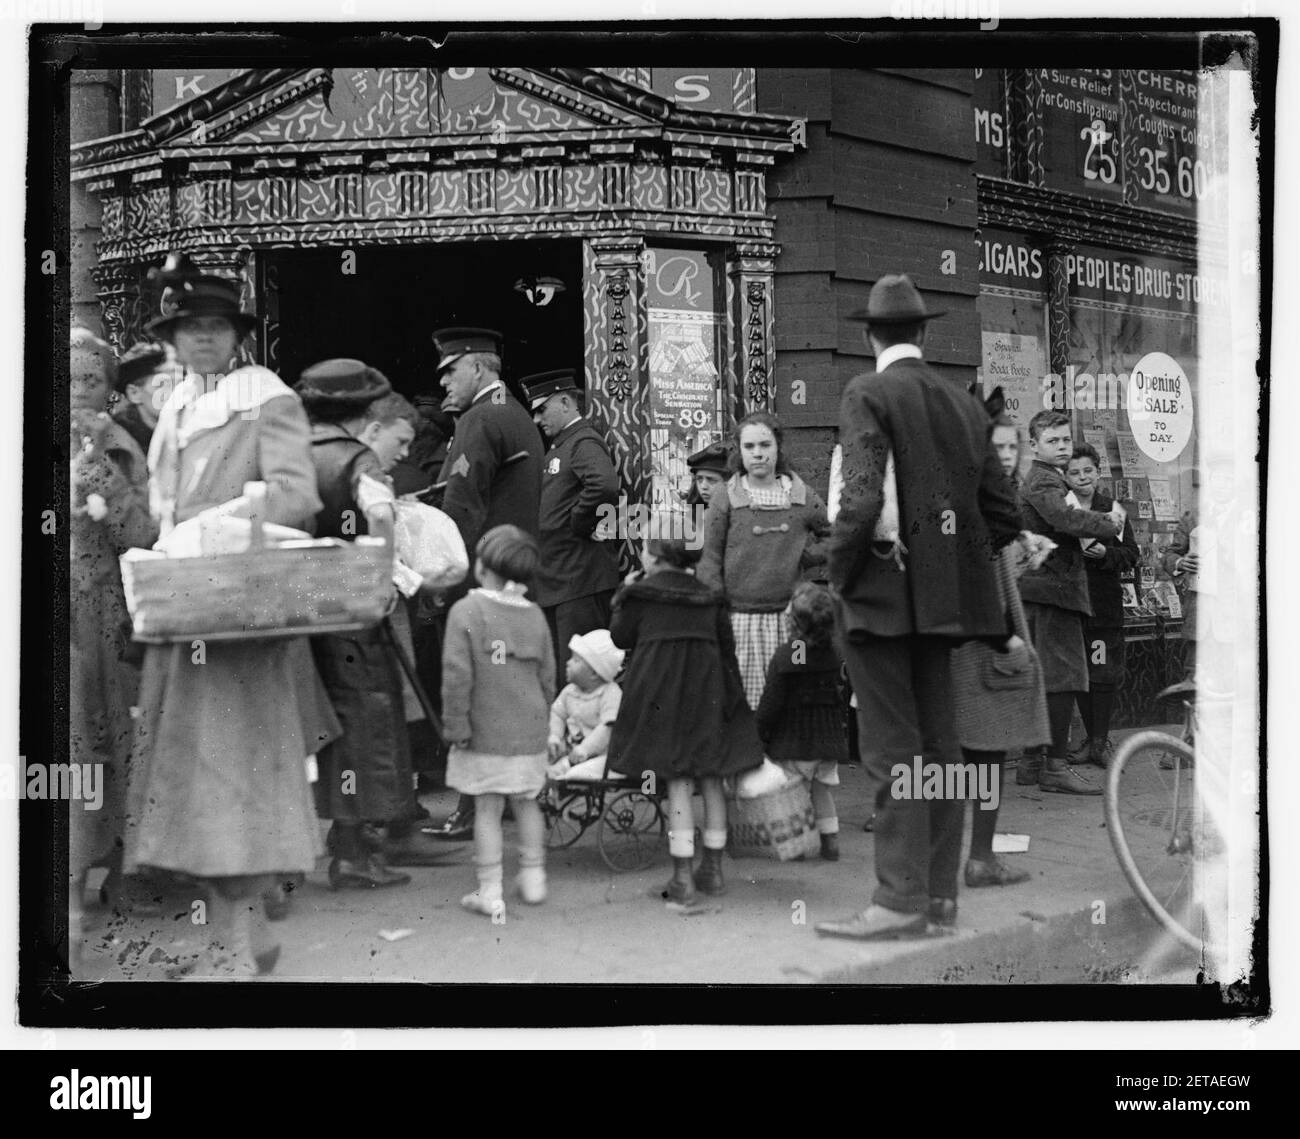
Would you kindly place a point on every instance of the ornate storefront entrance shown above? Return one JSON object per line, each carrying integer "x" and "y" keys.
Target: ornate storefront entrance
{"x": 343, "y": 159}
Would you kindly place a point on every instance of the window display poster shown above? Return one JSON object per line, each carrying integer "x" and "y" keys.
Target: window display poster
{"x": 1160, "y": 406}
{"x": 685, "y": 401}
{"x": 1016, "y": 364}
{"x": 1167, "y": 600}
{"x": 1130, "y": 457}
{"x": 1162, "y": 501}
{"x": 685, "y": 412}
{"x": 1096, "y": 438}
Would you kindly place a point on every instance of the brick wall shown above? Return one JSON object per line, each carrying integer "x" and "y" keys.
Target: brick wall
{"x": 886, "y": 184}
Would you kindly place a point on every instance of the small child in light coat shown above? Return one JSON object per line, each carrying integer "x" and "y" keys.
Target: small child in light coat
{"x": 586, "y": 708}
{"x": 498, "y": 682}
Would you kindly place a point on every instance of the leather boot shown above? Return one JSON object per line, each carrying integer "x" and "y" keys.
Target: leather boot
{"x": 1028, "y": 768}
{"x": 407, "y": 845}
{"x": 681, "y": 887}
{"x": 363, "y": 873}
{"x": 831, "y": 847}
{"x": 1057, "y": 775}
{"x": 1100, "y": 752}
{"x": 708, "y": 878}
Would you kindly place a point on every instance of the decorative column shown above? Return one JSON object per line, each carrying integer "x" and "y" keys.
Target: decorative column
{"x": 615, "y": 361}
{"x": 751, "y": 358}
{"x": 1058, "y": 307}
{"x": 1027, "y": 127}
{"x": 124, "y": 302}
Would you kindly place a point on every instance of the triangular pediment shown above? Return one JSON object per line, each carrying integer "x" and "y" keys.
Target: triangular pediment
{"x": 491, "y": 106}
{"x": 342, "y": 104}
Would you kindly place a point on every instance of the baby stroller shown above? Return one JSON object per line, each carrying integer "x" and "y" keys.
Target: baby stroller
{"x": 631, "y": 828}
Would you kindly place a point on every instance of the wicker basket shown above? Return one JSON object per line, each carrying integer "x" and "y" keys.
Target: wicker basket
{"x": 780, "y": 825}
{"x": 298, "y": 588}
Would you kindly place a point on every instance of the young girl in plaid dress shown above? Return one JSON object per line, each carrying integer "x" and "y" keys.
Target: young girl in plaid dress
{"x": 763, "y": 532}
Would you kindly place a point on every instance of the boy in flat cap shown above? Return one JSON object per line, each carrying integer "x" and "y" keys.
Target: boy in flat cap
{"x": 578, "y": 572}
{"x": 710, "y": 467}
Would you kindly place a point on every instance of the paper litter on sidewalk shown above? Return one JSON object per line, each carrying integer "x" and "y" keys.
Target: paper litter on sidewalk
{"x": 1010, "y": 843}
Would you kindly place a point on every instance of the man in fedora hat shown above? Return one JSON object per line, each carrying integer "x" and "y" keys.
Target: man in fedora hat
{"x": 365, "y": 779}
{"x": 898, "y": 623}
{"x": 578, "y": 572}
{"x": 492, "y": 473}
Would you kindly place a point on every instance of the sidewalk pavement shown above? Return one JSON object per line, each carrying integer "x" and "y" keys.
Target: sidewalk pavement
{"x": 603, "y": 927}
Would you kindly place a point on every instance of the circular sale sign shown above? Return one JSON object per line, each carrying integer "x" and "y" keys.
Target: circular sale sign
{"x": 1160, "y": 406}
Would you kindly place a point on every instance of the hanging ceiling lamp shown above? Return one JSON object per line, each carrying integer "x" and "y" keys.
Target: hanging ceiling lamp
{"x": 539, "y": 291}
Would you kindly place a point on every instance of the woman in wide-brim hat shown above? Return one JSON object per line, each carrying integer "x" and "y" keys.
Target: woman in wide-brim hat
{"x": 219, "y": 787}
{"x": 365, "y": 779}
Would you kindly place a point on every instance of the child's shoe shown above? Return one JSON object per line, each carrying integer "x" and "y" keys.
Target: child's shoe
{"x": 487, "y": 898}
{"x": 708, "y": 878}
{"x": 531, "y": 884}
{"x": 831, "y": 847}
{"x": 681, "y": 887}
{"x": 483, "y": 901}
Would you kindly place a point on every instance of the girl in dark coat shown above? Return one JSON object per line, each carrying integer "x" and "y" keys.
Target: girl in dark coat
{"x": 684, "y": 716}
{"x": 801, "y": 717}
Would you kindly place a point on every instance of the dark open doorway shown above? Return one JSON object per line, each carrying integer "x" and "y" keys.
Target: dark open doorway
{"x": 385, "y": 311}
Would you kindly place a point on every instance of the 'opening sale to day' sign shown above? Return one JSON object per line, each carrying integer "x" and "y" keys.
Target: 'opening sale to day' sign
{"x": 1160, "y": 406}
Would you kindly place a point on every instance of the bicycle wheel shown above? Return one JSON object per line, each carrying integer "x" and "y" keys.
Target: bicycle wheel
{"x": 631, "y": 832}
{"x": 1155, "y": 820}
{"x": 567, "y": 814}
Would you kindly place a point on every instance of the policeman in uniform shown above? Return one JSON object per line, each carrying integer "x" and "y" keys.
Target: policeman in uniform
{"x": 578, "y": 571}
{"x": 492, "y": 473}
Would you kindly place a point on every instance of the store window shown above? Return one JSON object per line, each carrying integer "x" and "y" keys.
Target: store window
{"x": 1130, "y": 386}
{"x": 1013, "y": 322}
{"x": 684, "y": 340}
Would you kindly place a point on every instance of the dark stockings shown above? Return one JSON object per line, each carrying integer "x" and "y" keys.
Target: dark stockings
{"x": 984, "y": 823}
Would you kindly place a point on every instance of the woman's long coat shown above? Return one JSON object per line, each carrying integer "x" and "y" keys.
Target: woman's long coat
{"x": 102, "y": 674}
{"x": 219, "y": 784}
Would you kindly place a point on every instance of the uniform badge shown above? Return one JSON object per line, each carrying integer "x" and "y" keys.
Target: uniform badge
{"x": 553, "y": 467}
{"x": 460, "y": 466}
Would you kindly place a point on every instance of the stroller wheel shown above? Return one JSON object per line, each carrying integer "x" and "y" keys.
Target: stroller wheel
{"x": 632, "y": 831}
{"x": 566, "y": 818}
